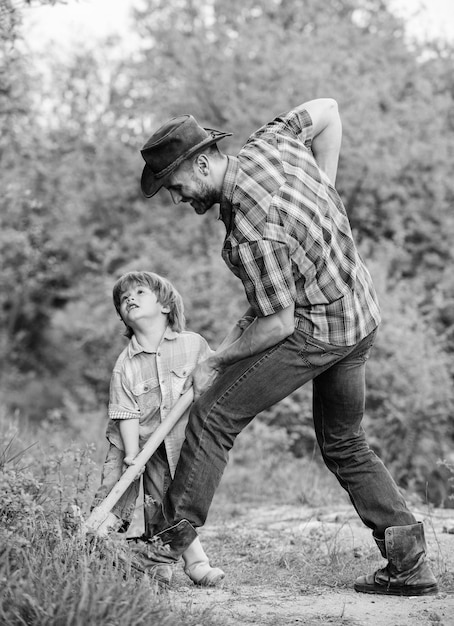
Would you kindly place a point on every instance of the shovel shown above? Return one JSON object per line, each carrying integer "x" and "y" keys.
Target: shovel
{"x": 99, "y": 513}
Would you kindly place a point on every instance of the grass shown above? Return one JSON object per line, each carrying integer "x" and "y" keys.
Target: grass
{"x": 50, "y": 577}
{"x": 58, "y": 582}
{"x": 294, "y": 560}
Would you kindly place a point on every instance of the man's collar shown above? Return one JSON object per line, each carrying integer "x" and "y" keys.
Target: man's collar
{"x": 228, "y": 187}
{"x": 134, "y": 346}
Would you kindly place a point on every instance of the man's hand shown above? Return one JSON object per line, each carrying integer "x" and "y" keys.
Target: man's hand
{"x": 201, "y": 378}
{"x": 205, "y": 373}
{"x": 258, "y": 335}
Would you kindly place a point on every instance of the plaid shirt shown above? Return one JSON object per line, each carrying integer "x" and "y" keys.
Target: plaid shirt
{"x": 145, "y": 386}
{"x": 289, "y": 239}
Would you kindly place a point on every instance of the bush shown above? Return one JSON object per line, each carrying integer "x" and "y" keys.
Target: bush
{"x": 49, "y": 574}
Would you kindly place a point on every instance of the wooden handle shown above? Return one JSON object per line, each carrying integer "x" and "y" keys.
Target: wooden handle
{"x": 99, "y": 513}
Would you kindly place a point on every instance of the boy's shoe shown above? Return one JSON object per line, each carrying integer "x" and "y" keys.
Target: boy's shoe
{"x": 407, "y": 572}
{"x": 201, "y": 573}
{"x": 197, "y": 566}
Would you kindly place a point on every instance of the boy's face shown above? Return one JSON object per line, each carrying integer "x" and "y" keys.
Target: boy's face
{"x": 139, "y": 304}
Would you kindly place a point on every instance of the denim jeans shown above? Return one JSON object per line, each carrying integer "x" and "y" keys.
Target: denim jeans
{"x": 156, "y": 479}
{"x": 251, "y": 385}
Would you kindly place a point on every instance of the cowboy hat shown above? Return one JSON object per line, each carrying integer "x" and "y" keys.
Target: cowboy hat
{"x": 174, "y": 142}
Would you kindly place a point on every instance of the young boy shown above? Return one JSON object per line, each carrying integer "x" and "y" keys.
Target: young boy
{"x": 147, "y": 380}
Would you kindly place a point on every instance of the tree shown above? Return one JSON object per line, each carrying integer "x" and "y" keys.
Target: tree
{"x": 73, "y": 217}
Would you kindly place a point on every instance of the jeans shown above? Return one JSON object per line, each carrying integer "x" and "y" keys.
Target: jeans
{"x": 156, "y": 479}
{"x": 251, "y": 385}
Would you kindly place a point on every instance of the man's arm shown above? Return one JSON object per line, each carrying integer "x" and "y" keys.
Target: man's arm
{"x": 259, "y": 335}
{"x": 327, "y": 135}
{"x": 238, "y": 329}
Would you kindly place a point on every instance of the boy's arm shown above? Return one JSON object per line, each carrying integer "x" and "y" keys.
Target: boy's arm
{"x": 124, "y": 410}
{"x": 129, "y": 431}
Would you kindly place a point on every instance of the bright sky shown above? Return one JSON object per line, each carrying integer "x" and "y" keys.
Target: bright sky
{"x": 437, "y": 18}
{"x": 76, "y": 20}
{"x": 81, "y": 19}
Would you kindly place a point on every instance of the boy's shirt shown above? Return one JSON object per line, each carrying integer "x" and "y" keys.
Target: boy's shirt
{"x": 146, "y": 385}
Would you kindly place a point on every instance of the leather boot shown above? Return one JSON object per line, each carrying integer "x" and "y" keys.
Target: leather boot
{"x": 157, "y": 556}
{"x": 407, "y": 572}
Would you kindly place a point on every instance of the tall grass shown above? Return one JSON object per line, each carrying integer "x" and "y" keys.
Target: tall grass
{"x": 55, "y": 581}
{"x": 49, "y": 574}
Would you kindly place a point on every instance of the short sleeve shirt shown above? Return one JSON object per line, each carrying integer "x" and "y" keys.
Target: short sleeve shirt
{"x": 289, "y": 238}
{"x": 145, "y": 386}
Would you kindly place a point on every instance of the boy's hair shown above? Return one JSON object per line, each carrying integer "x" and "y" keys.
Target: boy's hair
{"x": 165, "y": 292}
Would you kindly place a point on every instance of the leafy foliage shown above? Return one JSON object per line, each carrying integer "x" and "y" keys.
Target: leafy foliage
{"x": 72, "y": 217}
{"x": 76, "y": 584}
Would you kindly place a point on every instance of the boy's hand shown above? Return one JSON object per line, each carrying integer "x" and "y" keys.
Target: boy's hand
{"x": 130, "y": 460}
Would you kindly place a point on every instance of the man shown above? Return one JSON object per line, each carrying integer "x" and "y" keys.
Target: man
{"x": 313, "y": 316}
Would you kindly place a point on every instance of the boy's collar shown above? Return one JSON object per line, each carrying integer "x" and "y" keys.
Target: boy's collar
{"x": 134, "y": 346}
{"x": 170, "y": 334}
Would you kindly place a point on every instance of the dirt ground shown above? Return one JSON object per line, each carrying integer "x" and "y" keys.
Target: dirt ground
{"x": 260, "y": 601}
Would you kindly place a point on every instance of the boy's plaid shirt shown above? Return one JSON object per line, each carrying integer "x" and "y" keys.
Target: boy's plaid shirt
{"x": 289, "y": 239}
{"x": 145, "y": 386}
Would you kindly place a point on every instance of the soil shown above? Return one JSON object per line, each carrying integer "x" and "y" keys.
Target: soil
{"x": 250, "y": 599}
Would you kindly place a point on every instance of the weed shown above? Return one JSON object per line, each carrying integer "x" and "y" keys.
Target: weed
{"x": 49, "y": 577}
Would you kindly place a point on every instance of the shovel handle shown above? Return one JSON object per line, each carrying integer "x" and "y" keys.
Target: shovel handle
{"x": 99, "y": 513}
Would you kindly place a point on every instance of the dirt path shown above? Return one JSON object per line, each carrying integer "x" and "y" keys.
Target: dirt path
{"x": 281, "y": 595}
{"x": 343, "y": 608}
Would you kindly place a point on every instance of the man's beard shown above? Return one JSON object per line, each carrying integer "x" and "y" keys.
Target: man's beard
{"x": 205, "y": 198}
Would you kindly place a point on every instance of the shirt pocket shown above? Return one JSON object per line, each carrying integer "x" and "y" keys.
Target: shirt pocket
{"x": 179, "y": 376}
{"x": 148, "y": 394}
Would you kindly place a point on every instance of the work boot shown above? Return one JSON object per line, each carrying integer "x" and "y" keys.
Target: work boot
{"x": 157, "y": 556}
{"x": 407, "y": 572}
